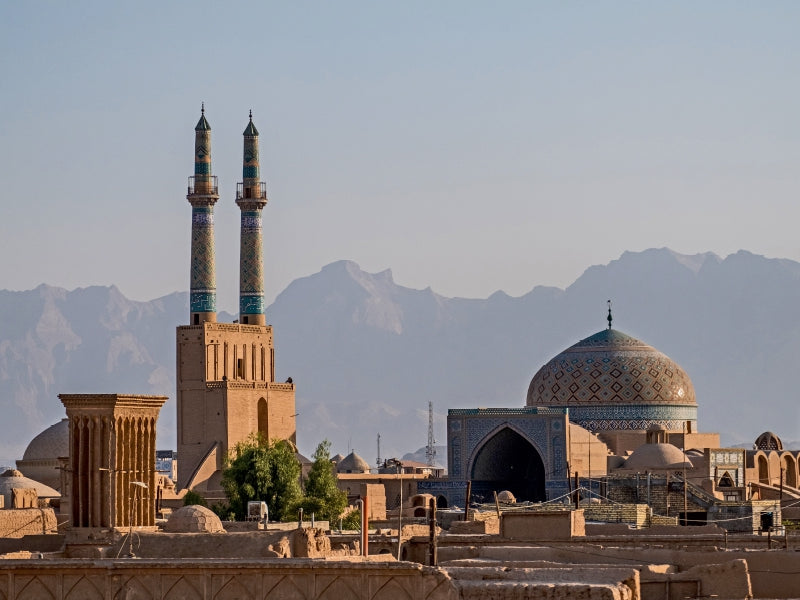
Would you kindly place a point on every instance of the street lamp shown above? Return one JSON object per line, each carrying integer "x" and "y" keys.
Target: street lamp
{"x": 138, "y": 485}
{"x": 399, "y": 466}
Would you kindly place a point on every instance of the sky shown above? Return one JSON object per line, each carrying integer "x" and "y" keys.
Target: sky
{"x": 468, "y": 146}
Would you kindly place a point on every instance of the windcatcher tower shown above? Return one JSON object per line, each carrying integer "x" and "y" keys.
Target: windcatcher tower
{"x": 202, "y": 194}
{"x": 251, "y": 196}
{"x": 226, "y": 371}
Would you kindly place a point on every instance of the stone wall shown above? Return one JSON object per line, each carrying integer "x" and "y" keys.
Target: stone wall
{"x": 632, "y": 514}
{"x": 557, "y": 525}
{"x": 17, "y": 523}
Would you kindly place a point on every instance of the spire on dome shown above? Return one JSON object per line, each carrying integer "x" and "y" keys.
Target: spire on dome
{"x": 609, "y": 318}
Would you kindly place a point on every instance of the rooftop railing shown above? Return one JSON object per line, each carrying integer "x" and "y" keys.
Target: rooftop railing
{"x": 251, "y": 192}
{"x": 203, "y": 185}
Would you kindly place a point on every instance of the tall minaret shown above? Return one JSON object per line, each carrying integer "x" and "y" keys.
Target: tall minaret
{"x": 251, "y": 196}
{"x": 202, "y": 195}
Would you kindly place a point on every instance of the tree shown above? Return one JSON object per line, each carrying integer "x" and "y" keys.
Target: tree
{"x": 262, "y": 471}
{"x": 193, "y": 497}
{"x": 322, "y": 496}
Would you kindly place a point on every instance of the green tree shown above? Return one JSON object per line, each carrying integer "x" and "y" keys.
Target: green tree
{"x": 193, "y": 497}
{"x": 262, "y": 471}
{"x": 322, "y": 496}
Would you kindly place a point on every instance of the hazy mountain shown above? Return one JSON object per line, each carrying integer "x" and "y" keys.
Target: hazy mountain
{"x": 367, "y": 355}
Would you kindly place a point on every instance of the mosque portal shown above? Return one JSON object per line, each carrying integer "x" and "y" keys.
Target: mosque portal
{"x": 507, "y": 461}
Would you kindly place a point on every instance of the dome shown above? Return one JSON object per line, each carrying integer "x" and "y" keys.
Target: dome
{"x": 194, "y": 519}
{"x": 657, "y": 457}
{"x": 13, "y": 479}
{"x": 50, "y": 444}
{"x": 352, "y": 463}
{"x": 612, "y": 381}
{"x": 768, "y": 441}
{"x": 40, "y": 460}
{"x": 506, "y": 497}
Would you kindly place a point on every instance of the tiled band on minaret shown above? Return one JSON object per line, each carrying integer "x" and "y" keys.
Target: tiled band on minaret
{"x": 202, "y": 195}
{"x": 251, "y": 197}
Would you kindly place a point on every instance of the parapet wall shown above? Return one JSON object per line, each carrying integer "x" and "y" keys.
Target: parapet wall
{"x": 215, "y": 579}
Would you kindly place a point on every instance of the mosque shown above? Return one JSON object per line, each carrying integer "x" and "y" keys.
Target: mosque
{"x": 617, "y": 419}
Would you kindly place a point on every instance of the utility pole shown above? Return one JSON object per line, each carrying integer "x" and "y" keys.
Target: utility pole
{"x": 430, "y": 450}
{"x": 685, "y": 483}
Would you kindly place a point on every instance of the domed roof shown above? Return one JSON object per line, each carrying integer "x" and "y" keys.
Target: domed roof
{"x": 768, "y": 441}
{"x": 50, "y": 444}
{"x": 12, "y": 479}
{"x": 657, "y": 457}
{"x": 611, "y": 368}
{"x": 352, "y": 463}
{"x": 194, "y": 519}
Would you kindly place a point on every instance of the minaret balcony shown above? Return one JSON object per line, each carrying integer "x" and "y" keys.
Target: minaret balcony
{"x": 251, "y": 192}
{"x": 203, "y": 185}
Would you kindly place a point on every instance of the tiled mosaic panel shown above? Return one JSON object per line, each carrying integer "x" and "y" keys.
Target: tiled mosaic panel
{"x": 203, "y": 297}
{"x": 251, "y": 267}
{"x": 633, "y": 417}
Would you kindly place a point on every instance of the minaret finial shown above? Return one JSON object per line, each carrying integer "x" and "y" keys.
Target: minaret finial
{"x": 202, "y": 108}
{"x": 251, "y": 115}
{"x": 609, "y": 314}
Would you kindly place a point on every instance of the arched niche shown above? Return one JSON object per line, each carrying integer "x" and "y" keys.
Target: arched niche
{"x": 763, "y": 469}
{"x": 263, "y": 418}
{"x": 507, "y": 461}
{"x": 789, "y": 470}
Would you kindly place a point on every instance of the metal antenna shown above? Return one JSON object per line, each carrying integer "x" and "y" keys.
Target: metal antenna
{"x": 430, "y": 450}
{"x": 378, "y": 462}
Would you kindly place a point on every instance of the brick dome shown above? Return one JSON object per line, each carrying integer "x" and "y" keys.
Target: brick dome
{"x": 612, "y": 381}
{"x": 194, "y": 519}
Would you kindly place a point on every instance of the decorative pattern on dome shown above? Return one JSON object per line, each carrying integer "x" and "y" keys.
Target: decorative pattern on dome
{"x": 610, "y": 368}
{"x": 768, "y": 441}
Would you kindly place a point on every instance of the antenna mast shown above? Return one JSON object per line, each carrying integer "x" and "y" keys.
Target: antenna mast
{"x": 430, "y": 450}
{"x": 378, "y": 462}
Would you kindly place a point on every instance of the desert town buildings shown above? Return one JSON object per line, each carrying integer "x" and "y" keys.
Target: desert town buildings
{"x": 608, "y": 434}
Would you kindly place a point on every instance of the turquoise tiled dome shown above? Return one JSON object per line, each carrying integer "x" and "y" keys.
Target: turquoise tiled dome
{"x": 612, "y": 381}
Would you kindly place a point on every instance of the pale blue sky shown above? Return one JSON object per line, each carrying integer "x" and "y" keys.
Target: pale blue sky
{"x": 469, "y": 146}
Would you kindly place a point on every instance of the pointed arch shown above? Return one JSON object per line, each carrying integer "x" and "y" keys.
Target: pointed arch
{"x": 789, "y": 465}
{"x": 507, "y": 460}
{"x": 763, "y": 469}
{"x": 263, "y": 418}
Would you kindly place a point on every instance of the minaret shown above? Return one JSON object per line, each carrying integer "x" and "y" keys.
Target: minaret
{"x": 202, "y": 195}
{"x": 251, "y": 197}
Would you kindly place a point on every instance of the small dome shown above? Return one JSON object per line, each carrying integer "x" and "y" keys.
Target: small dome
{"x": 768, "y": 441}
{"x": 506, "y": 497}
{"x": 194, "y": 519}
{"x": 337, "y": 459}
{"x": 657, "y": 457}
{"x": 352, "y": 463}
{"x": 13, "y": 479}
{"x": 50, "y": 444}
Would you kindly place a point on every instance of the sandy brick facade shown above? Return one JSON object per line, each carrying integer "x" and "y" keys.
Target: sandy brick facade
{"x": 226, "y": 393}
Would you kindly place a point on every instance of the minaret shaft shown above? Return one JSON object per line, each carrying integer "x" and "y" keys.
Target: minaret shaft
{"x": 251, "y": 197}
{"x": 202, "y": 195}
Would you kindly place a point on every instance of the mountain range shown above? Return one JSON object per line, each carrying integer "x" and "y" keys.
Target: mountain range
{"x": 367, "y": 355}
